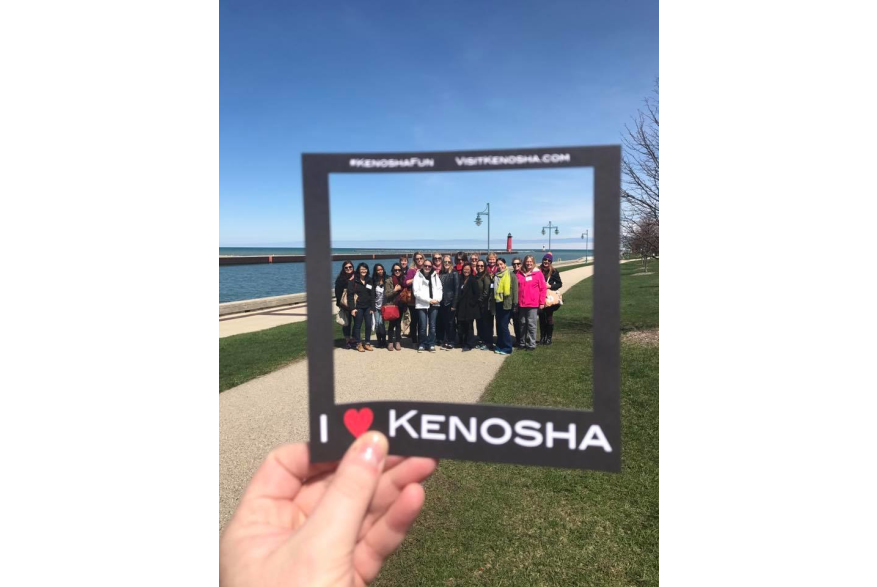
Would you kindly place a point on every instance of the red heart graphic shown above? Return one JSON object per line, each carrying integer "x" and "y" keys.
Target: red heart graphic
{"x": 358, "y": 422}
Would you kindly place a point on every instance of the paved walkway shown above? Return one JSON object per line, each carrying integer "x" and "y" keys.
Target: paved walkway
{"x": 261, "y": 319}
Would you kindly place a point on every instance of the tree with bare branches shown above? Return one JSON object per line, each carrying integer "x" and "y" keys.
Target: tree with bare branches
{"x": 639, "y": 193}
{"x": 642, "y": 239}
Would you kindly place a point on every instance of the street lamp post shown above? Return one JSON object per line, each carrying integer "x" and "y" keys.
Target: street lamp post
{"x": 549, "y": 227}
{"x": 585, "y": 236}
{"x": 478, "y": 222}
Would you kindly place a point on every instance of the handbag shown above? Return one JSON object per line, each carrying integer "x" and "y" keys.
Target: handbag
{"x": 406, "y": 323}
{"x": 343, "y": 301}
{"x": 553, "y": 298}
{"x": 342, "y": 316}
{"x": 406, "y": 297}
{"x": 390, "y": 312}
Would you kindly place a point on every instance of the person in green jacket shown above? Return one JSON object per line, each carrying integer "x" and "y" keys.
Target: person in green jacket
{"x": 503, "y": 303}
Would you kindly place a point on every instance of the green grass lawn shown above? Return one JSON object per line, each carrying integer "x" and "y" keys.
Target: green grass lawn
{"x": 246, "y": 356}
{"x": 486, "y": 524}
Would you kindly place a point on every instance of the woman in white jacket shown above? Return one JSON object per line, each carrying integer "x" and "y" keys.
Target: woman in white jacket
{"x": 427, "y": 296}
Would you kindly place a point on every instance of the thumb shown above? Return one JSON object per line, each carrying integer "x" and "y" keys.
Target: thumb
{"x": 341, "y": 511}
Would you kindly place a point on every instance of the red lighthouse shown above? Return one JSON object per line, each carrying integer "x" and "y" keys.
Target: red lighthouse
{"x": 508, "y": 244}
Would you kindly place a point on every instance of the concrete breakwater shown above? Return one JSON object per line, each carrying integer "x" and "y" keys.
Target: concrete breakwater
{"x": 255, "y": 259}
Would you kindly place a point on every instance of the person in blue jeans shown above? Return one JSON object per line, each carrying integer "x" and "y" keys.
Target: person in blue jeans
{"x": 506, "y": 299}
{"x": 361, "y": 294}
{"x": 427, "y": 289}
{"x": 341, "y": 282}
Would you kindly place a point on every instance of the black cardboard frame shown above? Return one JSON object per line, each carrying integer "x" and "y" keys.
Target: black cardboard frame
{"x": 579, "y": 438}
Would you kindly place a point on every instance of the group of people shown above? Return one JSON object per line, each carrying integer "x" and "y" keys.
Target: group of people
{"x": 448, "y": 302}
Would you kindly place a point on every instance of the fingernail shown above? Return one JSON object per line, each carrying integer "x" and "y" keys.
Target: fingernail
{"x": 372, "y": 449}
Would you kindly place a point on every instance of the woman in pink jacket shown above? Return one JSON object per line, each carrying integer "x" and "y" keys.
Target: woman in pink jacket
{"x": 531, "y": 299}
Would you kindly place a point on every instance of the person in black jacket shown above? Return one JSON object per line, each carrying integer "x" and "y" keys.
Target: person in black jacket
{"x": 468, "y": 307}
{"x": 485, "y": 323}
{"x": 447, "y": 334}
{"x": 341, "y": 283}
{"x": 517, "y": 265}
{"x": 394, "y": 287}
{"x": 361, "y": 299}
{"x": 546, "y": 315}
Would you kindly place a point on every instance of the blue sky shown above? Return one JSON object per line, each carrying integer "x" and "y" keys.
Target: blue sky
{"x": 394, "y": 76}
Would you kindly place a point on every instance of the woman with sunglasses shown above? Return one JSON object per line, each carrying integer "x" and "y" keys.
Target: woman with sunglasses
{"x": 546, "y": 314}
{"x": 450, "y": 279}
{"x": 516, "y": 268}
{"x": 428, "y": 295}
{"x": 362, "y": 293}
{"x": 409, "y": 281}
{"x": 468, "y": 307}
{"x": 505, "y": 299}
{"x": 473, "y": 259}
{"x": 460, "y": 260}
{"x": 394, "y": 287}
{"x": 341, "y": 282}
{"x": 485, "y": 323}
{"x": 437, "y": 269}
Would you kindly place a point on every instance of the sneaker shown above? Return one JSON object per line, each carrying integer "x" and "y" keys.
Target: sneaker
{"x": 398, "y": 346}
{"x": 359, "y": 348}
{"x": 432, "y": 349}
{"x": 368, "y": 347}
{"x": 390, "y": 347}
{"x": 499, "y": 352}
{"x": 420, "y": 349}
{"x": 480, "y": 347}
